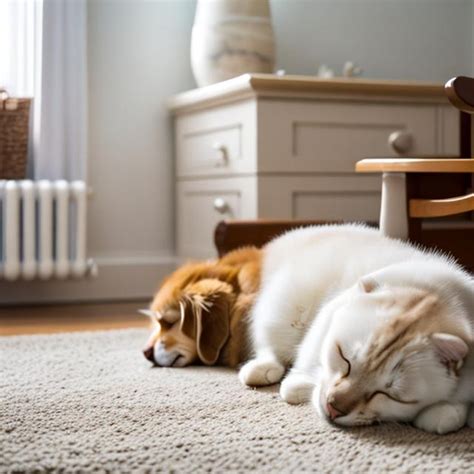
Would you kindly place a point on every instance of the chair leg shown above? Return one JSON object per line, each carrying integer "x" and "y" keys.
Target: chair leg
{"x": 393, "y": 211}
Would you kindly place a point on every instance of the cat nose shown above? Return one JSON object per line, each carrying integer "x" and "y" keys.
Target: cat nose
{"x": 148, "y": 353}
{"x": 333, "y": 412}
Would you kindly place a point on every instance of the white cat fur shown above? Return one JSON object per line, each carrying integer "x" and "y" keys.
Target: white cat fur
{"x": 316, "y": 288}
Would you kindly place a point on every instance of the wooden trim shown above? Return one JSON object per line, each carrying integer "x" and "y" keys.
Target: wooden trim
{"x": 232, "y": 234}
{"x": 261, "y": 82}
{"x": 441, "y": 207}
{"x": 67, "y": 318}
{"x": 268, "y": 85}
{"x": 415, "y": 165}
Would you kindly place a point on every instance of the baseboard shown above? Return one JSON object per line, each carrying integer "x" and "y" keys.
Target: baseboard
{"x": 118, "y": 279}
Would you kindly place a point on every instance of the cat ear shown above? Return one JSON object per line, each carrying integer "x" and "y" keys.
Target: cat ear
{"x": 368, "y": 284}
{"x": 449, "y": 348}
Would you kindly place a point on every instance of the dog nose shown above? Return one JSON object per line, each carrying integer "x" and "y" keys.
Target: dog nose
{"x": 148, "y": 353}
{"x": 333, "y": 411}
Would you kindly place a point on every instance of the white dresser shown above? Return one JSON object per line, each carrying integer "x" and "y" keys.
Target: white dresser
{"x": 262, "y": 146}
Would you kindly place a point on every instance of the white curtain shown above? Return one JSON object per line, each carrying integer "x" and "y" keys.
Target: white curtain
{"x": 20, "y": 45}
{"x": 62, "y": 151}
{"x": 43, "y": 53}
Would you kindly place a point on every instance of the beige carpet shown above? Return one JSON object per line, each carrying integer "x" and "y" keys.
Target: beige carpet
{"x": 90, "y": 402}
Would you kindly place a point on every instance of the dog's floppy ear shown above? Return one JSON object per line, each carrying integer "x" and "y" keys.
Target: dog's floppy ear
{"x": 205, "y": 313}
{"x": 188, "y": 320}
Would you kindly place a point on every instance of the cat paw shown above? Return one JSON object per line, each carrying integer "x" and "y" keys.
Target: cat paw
{"x": 257, "y": 372}
{"x": 442, "y": 418}
{"x": 296, "y": 388}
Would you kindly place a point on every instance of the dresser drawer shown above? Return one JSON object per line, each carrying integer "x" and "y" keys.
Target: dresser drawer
{"x": 331, "y": 137}
{"x": 217, "y": 142}
{"x": 346, "y": 198}
{"x": 201, "y": 204}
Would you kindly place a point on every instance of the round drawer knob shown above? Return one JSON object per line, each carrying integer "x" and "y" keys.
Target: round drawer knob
{"x": 400, "y": 141}
{"x": 222, "y": 157}
{"x": 220, "y": 205}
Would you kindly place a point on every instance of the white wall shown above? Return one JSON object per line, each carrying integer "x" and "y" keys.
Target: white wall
{"x": 395, "y": 39}
{"x": 139, "y": 56}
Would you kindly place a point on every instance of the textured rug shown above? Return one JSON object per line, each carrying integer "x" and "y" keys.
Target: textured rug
{"x": 90, "y": 402}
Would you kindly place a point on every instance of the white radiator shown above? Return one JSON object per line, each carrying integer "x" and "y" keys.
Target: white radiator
{"x": 43, "y": 230}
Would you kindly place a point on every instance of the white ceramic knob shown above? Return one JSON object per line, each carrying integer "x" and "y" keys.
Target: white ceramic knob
{"x": 400, "y": 141}
{"x": 222, "y": 157}
{"x": 220, "y": 205}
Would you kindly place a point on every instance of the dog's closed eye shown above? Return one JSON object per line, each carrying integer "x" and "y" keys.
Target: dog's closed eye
{"x": 170, "y": 315}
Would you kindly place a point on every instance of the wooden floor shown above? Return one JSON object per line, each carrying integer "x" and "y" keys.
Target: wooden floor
{"x": 67, "y": 318}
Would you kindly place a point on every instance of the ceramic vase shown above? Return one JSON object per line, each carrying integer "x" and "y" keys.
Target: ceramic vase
{"x": 231, "y": 37}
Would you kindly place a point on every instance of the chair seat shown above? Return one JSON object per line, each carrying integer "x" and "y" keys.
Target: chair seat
{"x": 415, "y": 165}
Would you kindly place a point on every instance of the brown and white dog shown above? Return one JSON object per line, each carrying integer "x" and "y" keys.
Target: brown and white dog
{"x": 199, "y": 313}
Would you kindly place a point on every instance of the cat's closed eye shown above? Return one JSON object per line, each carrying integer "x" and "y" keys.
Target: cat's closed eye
{"x": 345, "y": 359}
{"x": 388, "y": 395}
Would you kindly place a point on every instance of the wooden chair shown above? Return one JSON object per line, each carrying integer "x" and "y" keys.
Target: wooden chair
{"x": 424, "y": 188}
{"x": 230, "y": 235}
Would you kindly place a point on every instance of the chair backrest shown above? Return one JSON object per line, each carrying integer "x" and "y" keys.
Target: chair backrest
{"x": 460, "y": 92}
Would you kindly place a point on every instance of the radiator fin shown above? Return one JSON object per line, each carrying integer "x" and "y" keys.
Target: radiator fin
{"x": 43, "y": 230}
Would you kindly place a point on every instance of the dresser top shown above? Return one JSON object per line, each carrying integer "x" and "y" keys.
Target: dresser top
{"x": 305, "y": 87}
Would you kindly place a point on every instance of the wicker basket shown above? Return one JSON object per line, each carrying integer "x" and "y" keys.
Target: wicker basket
{"x": 14, "y": 132}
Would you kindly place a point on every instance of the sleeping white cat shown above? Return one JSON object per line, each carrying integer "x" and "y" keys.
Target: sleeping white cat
{"x": 371, "y": 329}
